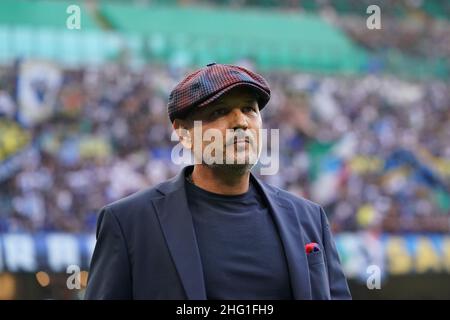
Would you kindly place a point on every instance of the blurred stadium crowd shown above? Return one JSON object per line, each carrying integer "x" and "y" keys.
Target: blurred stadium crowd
{"x": 373, "y": 150}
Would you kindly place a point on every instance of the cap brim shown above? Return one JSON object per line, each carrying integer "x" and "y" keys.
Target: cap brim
{"x": 263, "y": 95}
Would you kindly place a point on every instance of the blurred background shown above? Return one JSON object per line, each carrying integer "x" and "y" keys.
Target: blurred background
{"x": 364, "y": 119}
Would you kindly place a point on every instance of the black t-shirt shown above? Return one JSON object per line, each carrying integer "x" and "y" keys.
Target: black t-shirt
{"x": 240, "y": 248}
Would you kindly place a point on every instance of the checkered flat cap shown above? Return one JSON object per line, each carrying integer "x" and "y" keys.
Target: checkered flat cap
{"x": 207, "y": 84}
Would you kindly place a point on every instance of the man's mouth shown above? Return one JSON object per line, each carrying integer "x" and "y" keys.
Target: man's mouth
{"x": 241, "y": 140}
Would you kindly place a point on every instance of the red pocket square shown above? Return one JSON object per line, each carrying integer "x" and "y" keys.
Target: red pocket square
{"x": 311, "y": 247}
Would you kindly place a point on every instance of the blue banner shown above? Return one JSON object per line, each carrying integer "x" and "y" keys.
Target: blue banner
{"x": 359, "y": 252}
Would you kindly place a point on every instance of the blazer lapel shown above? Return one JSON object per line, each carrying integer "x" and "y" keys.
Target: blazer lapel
{"x": 291, "y": 235}
{"x": 176, "y": 223}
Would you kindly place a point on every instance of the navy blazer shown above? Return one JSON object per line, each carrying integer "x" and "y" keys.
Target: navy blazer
{"x": 147, "y": 249}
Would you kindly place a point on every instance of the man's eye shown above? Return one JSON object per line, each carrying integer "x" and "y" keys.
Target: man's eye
{"x": 249, "y": 109}
{"x": 219, "y": 112}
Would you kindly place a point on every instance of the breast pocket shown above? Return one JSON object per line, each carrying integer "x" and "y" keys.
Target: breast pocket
{"x": 320, "y": 288}
{"x": 315, "y": 258}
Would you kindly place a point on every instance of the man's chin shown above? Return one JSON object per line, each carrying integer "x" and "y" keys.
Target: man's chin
{"x": 233, "y": 168}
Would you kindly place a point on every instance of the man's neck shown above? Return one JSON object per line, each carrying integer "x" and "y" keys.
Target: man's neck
{"x": 220, "y": 180}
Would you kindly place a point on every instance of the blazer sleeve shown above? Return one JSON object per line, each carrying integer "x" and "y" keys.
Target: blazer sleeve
{"x": 109, "y": 274}
{"x": 337, "y": 281}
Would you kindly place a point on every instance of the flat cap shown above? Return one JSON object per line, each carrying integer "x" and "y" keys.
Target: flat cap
{"x": 207, "y": 84}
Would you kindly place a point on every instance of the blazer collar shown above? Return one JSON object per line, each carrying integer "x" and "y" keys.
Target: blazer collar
{"x": 178, "y": 229}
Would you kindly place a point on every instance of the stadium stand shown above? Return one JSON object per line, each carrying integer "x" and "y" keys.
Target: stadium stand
{"x": 363, "y": 118}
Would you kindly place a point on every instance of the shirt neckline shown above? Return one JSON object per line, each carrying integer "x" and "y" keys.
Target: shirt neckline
{"x": 223, "y": 197}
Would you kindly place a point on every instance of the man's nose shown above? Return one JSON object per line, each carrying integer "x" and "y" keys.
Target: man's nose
{"x": 238, "y": 119}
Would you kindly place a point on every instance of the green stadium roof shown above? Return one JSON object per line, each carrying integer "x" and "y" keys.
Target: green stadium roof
{"x": 41, "y": 14}
{"x": 273, "y": 39}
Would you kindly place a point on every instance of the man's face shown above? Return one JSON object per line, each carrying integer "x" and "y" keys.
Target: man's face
{"x": 236, "y": 118}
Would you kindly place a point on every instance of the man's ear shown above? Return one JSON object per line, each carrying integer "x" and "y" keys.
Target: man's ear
{"x": 180, "y": 126}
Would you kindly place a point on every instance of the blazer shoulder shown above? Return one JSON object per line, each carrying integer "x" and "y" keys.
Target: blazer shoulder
{"x": 311, "y": 215}
{"x": 308, "y": 212}
{"x": 134, "y": 203}
{"x": 295, "y": 199}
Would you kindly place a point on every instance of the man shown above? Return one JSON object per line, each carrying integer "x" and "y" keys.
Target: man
{"x": 215, "y": 231}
